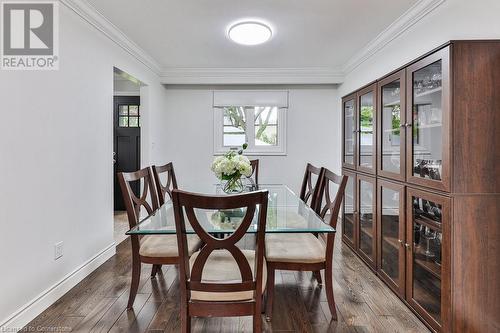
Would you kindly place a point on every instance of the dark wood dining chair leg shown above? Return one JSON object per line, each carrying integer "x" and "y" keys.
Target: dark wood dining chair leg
{"x": 329, "y": 291}
{"x": 156, "y": 269}
{"x": 270, "y": 292}
{"x": 185, "y": 318}
{"x": 257, "y": 322}
{"x": 317, "y": 275}
{"x": 136, "y": 276}
{"x": 257, "y": 316}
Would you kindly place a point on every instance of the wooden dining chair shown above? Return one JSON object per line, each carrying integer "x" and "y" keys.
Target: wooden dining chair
{"x": 308, "y": 190}
{"x": 254, "y": 178}
{"x": 307, "y": 252}
{"x": 155, "y": 249}
{"x": 221, "y": 280}
{"x": 170, "y": 184}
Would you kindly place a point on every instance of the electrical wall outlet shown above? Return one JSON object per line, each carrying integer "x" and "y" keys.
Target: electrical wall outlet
{"x": 58, "y": 250}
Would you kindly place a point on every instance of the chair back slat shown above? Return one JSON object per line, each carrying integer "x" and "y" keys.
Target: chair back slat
{"x": 134, "y": 203}
{"x": 308, "y": 190}
{"x": 185, "y": 204}
{"x": 254, "y": 178}
{"x": 171, "y": 184}
{"x": 332, "y": 206}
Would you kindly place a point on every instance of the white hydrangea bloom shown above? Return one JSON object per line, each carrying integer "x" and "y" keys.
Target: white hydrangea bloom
{"x": 231, "y": 164}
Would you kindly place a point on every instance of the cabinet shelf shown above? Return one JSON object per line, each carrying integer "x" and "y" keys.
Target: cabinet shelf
{"x": 425, "y": 126}
{"x": 431, "y": 304}
{"x": 348, "y": 219}
{"x": 429, "y": 92}
{"x": 428, "y": 264}
{"x": 392, "y": 241}
{"x": 428, "y": 222}
{"x": 366, "y": 231}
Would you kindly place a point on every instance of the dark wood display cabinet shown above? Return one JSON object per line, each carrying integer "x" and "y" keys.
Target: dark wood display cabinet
{"x": 428, "y": 258}
{"x": 359, "y": 128}
{"x": 422, "y": 204}
{"x": 391, "y": 235}
{"x": 349, "y": 145}
{"x": 366, "y": 231}
{"x": 349, "y": 211}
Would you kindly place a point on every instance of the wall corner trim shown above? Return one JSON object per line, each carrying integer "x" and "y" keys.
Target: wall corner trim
{"x": 88, "y": 13}
{"x": 40, "y": 303}
{"x": 414, "y": 14}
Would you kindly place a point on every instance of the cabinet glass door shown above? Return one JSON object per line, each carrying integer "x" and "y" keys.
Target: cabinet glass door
{"x": 366, "y": 130}
{"x": 366, "y": 216}
{"x": 349, "y": 114}
{"x": 428, "y": 164}
{"x": 349, "y": 209}
{"x": 391, "y": 159}
{"x": 426, "y": 229}
{"x": 391, "y": 234}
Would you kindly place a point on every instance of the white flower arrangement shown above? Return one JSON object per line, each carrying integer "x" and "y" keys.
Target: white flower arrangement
{"x": 231, "y": 167}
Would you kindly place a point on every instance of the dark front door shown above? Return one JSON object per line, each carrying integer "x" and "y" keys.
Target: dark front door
{"x": 126, "y": 142}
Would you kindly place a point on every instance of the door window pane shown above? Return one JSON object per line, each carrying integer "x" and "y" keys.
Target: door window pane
{"x": 366, "y": 217}
{"x": 123, "y": 110}
{"x": 133, "y": 110}
{"x": 123, "y": 121}
{"x": 234, "y": 126}
{"x": 427, "y": 122}
{"x": 427, "y": 240}
{"x": 266, "y": 126}
{"x": 349, "y": 127}
{"x": 391, "y": 131}
{"x": 390, "y": 233}
{"x": 366, "y": 125}
{"x": 133, "y": 121}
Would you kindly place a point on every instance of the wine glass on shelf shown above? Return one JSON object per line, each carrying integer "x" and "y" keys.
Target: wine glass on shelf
{"x": 418, "y": 231}
{"x": 439, "y": 240}
{"x": 429, "y": 235}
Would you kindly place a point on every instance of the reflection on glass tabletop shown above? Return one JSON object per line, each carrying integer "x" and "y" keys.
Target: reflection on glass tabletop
{"x": 286, "y": 213}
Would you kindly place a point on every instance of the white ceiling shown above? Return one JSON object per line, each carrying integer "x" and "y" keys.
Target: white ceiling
{"x": 307, "y": 33}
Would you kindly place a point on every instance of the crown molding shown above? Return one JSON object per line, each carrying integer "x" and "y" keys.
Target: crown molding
{"x": 306, "y": 75}
{"x": 101, "y": 23}
{"x": 312, "y": 75}
{"x": 414, "y": 14}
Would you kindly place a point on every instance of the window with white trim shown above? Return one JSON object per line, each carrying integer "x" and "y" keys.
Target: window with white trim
{"x": 257, "y": 118}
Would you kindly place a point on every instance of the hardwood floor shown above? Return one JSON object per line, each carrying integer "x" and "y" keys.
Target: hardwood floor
{"x": 98, "y": 303}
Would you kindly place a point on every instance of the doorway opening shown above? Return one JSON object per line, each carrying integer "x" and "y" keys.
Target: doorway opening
{"x": 126, "y": 142}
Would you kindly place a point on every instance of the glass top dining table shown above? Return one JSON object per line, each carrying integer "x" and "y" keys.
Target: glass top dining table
{"x": 286, "y": 213}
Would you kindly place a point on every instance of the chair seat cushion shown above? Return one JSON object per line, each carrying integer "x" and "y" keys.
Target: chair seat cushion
{"x": 222, "y": 268}
{"x": 166, "y": 245}
{"x": 295, "y": 248}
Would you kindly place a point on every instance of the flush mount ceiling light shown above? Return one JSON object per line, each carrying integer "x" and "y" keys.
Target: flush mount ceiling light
{"x": 249, "y": 33}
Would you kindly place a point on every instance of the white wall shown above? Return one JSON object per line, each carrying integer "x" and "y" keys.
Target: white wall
{"x": 56, "y": 149}
{"x": 187, "y": 138}
{"x": 125, "y": 87}
{"x": 454, "y": 19}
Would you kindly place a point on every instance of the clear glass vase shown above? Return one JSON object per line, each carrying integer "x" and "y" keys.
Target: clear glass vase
{"x": 232, "y": 186}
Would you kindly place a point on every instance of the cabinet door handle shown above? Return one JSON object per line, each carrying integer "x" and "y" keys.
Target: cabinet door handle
{"x": 400, "y": 242}
{"x": 408, "y": 246}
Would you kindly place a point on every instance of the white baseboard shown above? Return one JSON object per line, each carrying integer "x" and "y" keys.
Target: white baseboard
{"x": 32, "y": 309}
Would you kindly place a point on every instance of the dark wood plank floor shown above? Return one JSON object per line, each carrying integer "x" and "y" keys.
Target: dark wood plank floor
{"x": 98, "y": 303}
